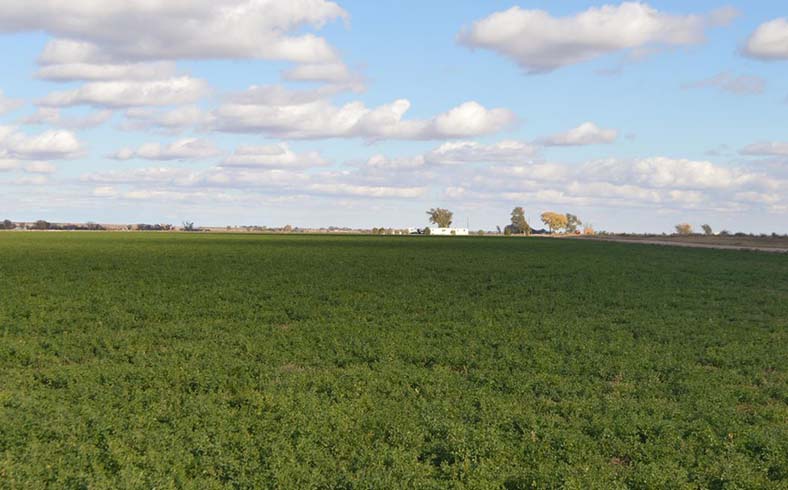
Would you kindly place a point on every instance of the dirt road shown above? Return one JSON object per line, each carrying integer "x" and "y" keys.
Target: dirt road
{"x": 678, "y": 243}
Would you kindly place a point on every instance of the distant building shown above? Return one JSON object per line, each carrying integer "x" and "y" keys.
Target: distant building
{"x": 449, "y": 231}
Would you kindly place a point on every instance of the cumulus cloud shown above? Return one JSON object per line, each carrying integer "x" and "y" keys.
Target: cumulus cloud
{"x": 367, "y": 191}
{"x": 184, "y": 149}
{"x": 169, "y": 121}
{"x": 587, "y": 133}
{"x": 551, "y": 172}
{"x": 273, "y": 156}
{"x": 52, "y": 116}
{"x": 539, "y": 42}
{"x": 7, "y": 164}
{"x": 40, "y": 168}
{"x": 288, "y": 114}
{"x": 335, "y": 73}
{"x": 69, "y": 72}
{"x": 739, "y": 85}
{"x": 127, "y": 93}
{"x": 89, "y": 31}
{"x": 7, "y": 104}
{"x": 384, "y": 162}
{"x": 276, "y": 180}
{"x": 656, "y": 182}
{"x": 662, "y": 172}
{"x": 773, "y": 148}
{"x": 459, "y": 152}
{"x": 769, "y": 41}
{"x": 49, "y": 145}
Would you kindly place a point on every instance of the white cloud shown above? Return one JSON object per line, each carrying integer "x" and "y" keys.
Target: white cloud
{"x": 273, "y": 156}
{"x": 171, "y": 121}
{"x": 403, "y": 163}
{"x": 769, "y": 41}
{"x": 587, "y": 133}
{"x": 471, "y": 119}
{"x": 282, "y": 181}
{"x": 658, "y": 183}
{"x": 662, "y": 172}
{"x": 51, "y": 144}
{"x": 538, "y": 172}
{"x": 459, "y": 152}
{"x": 68, "y": 72}
{"x": 7, "y": 104}
{"x": 740, "y": 85}
{"x": 40, "y": 168}
{"x": 90, "y": 31}
{"x": 52, "y": 116}
{"x": 105, "y": 191}
{"x": 32, "y": 180}
{"x": 367, "y": 191}
{"x": 539, "y": 42}
{"x": 184, "y": 149}
{"x": 150, "y": 175}
{"x": 774, "y": 148}
{"x": 287, "y": 114}
{"x": 7, "y": 164}
{"x": 128, "y": 93}
{"x": 335, "y": 73}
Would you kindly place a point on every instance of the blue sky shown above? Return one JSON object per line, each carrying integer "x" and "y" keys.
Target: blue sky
{"x": 634, "y": 116}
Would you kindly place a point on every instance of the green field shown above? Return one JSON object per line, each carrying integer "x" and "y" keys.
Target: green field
{"x": 141, "y": 361}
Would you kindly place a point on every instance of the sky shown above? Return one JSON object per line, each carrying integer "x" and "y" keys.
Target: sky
{"x": 633, "y": 116}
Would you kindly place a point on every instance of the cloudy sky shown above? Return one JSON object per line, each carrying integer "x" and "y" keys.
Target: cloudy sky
{"x": 634, "y": 116}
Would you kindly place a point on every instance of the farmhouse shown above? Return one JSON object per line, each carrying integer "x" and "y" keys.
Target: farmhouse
{"x": 449, "y": 231}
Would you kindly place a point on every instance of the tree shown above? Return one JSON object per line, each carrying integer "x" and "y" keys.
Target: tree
{"x": 41, "y": 225}
{"x": 188, "y": 226}
{"x": 707, "y": 230}
{"x": 519, "y": 224}
{"x": 572, "y": 223}
{"x": 440, "y": 217}
{"x": 7, "y": 225}
{"x": 684, "y": 229}
{"x": 554, "y": 221}
{"x": 427, "y": 231}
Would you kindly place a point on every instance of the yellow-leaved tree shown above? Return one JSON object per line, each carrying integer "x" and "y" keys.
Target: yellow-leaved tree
{"x": 554, "y": 221}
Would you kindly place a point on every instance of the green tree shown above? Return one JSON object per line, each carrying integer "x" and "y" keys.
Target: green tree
{"x": 440, "y": 217}
{"x": 519, "y": 224}
{"x": 7, "y": 225}
{"x": 707, "y": 230}
{"x": 554, "y": 221}
{"x": 572, "y": 223}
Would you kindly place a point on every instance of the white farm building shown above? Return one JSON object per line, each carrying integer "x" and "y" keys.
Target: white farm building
{"x": 449, "y": 231}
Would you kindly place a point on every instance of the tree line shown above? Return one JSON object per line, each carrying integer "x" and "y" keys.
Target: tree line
{"x": 555, "y": 222}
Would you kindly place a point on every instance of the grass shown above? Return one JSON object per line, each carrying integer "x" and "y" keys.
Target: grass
{"x": 226, "y": 361}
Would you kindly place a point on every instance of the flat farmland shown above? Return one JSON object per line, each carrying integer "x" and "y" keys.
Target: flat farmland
{"x": 199, "y": 361}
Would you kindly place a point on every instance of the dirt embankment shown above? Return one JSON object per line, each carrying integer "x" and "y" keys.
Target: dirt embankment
{"x": 775, "y": 244}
